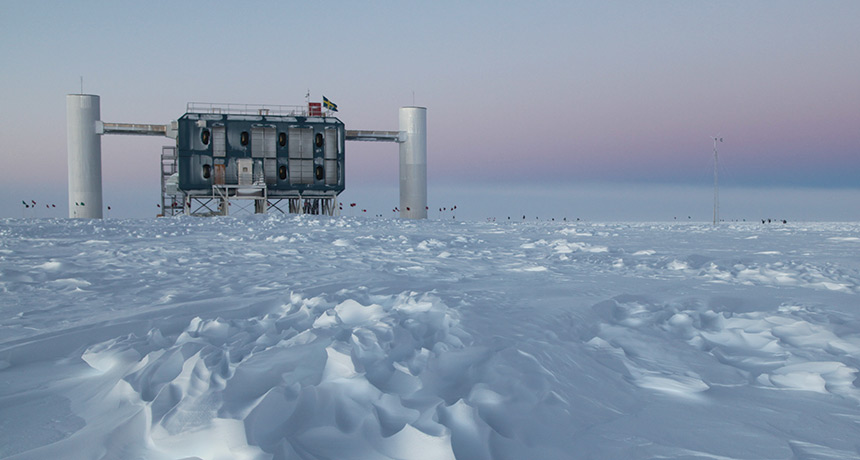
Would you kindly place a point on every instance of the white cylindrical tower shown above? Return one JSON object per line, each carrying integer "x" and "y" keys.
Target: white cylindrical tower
{"x": 85, "y": 156}
{"x": 413, "y": 163}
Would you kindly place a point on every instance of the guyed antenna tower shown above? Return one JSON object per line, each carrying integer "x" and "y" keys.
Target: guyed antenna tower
{"x": 716, "y": 183}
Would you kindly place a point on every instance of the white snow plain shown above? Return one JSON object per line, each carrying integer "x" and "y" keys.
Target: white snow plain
{"x": 302, "y": 337}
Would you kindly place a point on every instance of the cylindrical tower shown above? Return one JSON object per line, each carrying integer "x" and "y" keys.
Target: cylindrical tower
{"x": 85, "y": 156}
{"x": 413, "y": 163}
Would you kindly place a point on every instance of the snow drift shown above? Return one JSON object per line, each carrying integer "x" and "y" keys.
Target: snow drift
{"x": 315, "y": 338}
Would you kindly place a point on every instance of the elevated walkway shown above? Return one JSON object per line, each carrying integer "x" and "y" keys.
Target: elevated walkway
{"x": 375, "y": 136}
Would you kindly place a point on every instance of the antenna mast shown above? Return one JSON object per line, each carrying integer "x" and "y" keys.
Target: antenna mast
{"x": 716, "y": 184}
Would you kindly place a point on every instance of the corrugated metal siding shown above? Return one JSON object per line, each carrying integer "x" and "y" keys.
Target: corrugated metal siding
{"x": 301, "y": 171}
{"x": 219, "y": 141}
{"x": 301, "y": 143}
{"x": 331, "y": 172}
{"x": 331, "y": 144}
{"x": 270, "y": 168}
{"x": 301, "y": 155}
{"x": 263, "y": 141}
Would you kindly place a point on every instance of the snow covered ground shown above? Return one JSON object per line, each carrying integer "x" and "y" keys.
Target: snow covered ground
{"x": 349, "y": 338}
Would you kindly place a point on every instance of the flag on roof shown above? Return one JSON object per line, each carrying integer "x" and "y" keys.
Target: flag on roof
{"x": 329, "y": 104}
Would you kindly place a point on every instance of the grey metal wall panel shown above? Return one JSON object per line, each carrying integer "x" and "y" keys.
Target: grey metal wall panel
{"x": 301, "y": 171}
{"x": 307, "y": 171}
{"x": 331, "y": 144}
{"x": 219, "y": 141}
{"x": 270, "y": 169}
{"x": 270, "y": 147}
{"x": 257, "y": 140}
{"x": 301, "y": 143}
{"x": 295, "y": 142}
{"x": 331, "y": 172}
{"x": 295, "y": 172}
{"x": 263, "y": 141}
{"x": 308, "y": 144}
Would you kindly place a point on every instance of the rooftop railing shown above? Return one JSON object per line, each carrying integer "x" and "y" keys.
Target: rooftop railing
{"x": 251, "y": 109}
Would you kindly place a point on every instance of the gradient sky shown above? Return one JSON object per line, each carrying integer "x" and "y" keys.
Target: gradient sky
{"x": 536, "y": 96}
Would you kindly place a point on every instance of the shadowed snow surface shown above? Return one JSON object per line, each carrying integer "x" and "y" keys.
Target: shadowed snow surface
{"x": 314, "y": 338}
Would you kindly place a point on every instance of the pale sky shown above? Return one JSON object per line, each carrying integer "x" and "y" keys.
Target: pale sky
{"x": 524, "y": 98}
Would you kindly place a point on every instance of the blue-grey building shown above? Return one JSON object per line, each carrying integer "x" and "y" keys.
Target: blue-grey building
{"x": 268, "y": 153}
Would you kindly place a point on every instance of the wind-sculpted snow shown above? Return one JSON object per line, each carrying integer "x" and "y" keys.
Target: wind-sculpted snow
{"x": 309, "y": 379}
{"x": 318, "y": 338}
{"x": 775, "y": 350}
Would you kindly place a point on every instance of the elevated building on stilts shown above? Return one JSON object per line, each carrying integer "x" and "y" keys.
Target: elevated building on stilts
{"x": 274, "y": 156}
{"x": 287, "y": 158}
